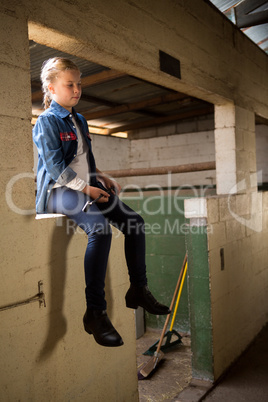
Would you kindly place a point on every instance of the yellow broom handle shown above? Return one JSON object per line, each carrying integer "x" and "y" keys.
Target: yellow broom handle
{"x": 171, "y": 306}
{"x": 178, "y": 298}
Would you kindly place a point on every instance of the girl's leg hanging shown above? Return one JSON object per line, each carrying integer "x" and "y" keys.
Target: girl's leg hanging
{"x": 70, "y": 203}
{"x": 131, "y": 225}
{"x": 95, "y": 224}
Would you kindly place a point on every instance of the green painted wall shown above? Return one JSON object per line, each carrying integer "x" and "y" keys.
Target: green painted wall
{"x": 165, "y": 251}
{"x": 199, "y": 303}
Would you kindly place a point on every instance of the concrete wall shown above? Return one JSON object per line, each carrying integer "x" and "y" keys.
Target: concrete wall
{"x": 239, "y": 289}
{"x": 218, "y": 64}
{"x": 261, "y": 152}
{"x": 45, "y": 354}
{"x": 173, "y": 150}
{"x": 237, "y": 239}
{"x": 162, "y": 146}
{"x": 111, "y": 153}
{"x": 152, "y": 152}
{"x": 235, "y": 146}
{"x": 237, "y": 257}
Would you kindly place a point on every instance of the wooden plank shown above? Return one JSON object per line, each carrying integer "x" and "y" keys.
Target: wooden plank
{"x": 100, "y": 78}
{"x": 135, "y": 106}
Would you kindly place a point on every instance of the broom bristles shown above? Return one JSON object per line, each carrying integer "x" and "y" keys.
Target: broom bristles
{"x": 150, "y": 366}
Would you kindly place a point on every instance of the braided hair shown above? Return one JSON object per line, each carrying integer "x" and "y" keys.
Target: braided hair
{"x": 50, "y": 69}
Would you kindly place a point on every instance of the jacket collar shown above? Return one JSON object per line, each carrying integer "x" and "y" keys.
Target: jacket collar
{"x": 60, "y": 111}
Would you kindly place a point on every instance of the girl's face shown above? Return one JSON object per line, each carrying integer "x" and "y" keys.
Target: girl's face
{"x": 66, "y": 89}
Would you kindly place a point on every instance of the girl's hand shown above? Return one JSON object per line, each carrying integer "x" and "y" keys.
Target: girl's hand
{"x": 113, "y": 186}
{"x": 110, "y": 184}
{"x": 94, "y": 192}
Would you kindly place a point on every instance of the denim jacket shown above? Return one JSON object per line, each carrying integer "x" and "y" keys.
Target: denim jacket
{"x": 55, "y": 137}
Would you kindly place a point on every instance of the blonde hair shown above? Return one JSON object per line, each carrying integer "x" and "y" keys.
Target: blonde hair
{"x": 50, "y": 69}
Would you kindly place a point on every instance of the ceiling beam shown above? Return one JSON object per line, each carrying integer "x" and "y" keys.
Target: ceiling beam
{"x": 244, "y": 16}
{"x": 135, "y": 106}
{"x": 100, "y": 78}
{"x": 162, "y": 120}
{"x": 97, "y": 101}
{"x": 247, "y": 6}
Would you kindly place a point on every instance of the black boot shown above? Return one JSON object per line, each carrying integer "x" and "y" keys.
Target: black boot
{"x": 143, "y": 297}
{"x": 97, "y": 323}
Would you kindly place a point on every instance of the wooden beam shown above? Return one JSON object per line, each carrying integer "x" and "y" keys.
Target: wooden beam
{"x": 135, "y": 106}
{"x": 96, "y": 100}
{"x": 100, "y": 78}
{"x": 163, "y": 120}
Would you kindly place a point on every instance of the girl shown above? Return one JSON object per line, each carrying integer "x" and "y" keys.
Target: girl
{"x": 67, "y": 178}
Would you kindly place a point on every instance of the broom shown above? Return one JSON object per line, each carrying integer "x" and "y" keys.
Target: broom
{"x": 150, "y": 366}
{"x": 168, "y": 335}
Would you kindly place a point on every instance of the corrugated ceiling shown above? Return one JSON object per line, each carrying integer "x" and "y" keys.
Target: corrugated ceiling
{"x": 259, "y": 13}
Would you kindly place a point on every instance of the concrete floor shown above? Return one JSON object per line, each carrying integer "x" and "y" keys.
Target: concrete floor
{"x": 171, "y": 375}
{"x": 246, "y": 380}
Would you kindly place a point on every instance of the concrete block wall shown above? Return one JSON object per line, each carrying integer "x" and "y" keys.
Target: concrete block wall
{"x": 190, "y": 125}
{"x": 237, "y": 230}
{"x": 166, "y": 149}
{"x": 176, "y": 149}
{"x": 45, "y": 354}
{"x": 111, "y": 153}
{"x": 237, "y": 238}
{"x": 261, "y": 152}
{"x": 235, "y": 149}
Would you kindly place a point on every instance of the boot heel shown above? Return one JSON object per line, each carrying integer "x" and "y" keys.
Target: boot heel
{"x": 131, "y": 305}
{"x": 87, "y": 330}
{"x": 85, "y": 326}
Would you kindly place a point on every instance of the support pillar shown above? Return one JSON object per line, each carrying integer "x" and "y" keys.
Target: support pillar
{"x": 235, "y": 149}
{"x": 199, "y": 289}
